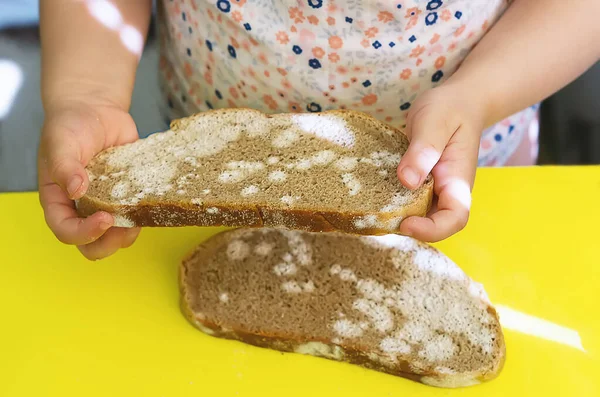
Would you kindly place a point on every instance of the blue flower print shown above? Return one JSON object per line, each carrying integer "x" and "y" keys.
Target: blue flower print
{"x": 376, "y": 44}
{"x": 315, "y": 3}
{"x": 224, "y": 5}
{"x": 218, "y": 94}
{"x": 313, "y": 107}
{"x": 437, "y": 76}
{"x": 431, "y": 18}
{"x": 209, "y": 45}
{"x": 314, "y": 63}
{"x": 297, "y": 50}
{"x": 405, "y": 106}
{"x": 247, "y": 26}
{"x": 231, "y": 50}
{"x": 458, "y": 14}
{"x": 434, "y": 5}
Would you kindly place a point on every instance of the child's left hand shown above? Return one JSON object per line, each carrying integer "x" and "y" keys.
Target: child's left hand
{"x": 444, "y": 127}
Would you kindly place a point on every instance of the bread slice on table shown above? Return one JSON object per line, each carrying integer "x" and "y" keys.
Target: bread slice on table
{"x": 238, "y": 167}
{"x": 389, "y": 303}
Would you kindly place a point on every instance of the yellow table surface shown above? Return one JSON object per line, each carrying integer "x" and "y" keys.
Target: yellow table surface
{"x": 69, "y": 327}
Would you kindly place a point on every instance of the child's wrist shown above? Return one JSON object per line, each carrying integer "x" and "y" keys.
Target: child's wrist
{"x": 65, "y": 94}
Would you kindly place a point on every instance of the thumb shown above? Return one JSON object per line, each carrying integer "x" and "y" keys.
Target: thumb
{"x": 62, "y": 160}
{"x": 429, "y": 133}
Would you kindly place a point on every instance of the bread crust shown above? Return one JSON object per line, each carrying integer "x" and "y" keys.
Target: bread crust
{"x": 330, "y": 350}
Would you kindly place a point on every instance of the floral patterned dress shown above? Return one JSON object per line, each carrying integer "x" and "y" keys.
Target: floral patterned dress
{"x": 376, "y": 56}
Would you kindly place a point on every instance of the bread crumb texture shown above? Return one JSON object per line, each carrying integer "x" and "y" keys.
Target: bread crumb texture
{"x": 390, "y": 302}
{"x": 332, "y": 162}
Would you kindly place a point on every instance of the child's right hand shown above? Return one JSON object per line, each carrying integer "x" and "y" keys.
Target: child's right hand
{"x": 73, "y": 133}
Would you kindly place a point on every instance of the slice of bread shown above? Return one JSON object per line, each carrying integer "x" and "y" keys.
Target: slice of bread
{"x": 238, "y": 167}
{"x": 388, "y": 303}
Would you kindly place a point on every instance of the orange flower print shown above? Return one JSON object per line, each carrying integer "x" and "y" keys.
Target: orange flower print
{"x": 345, "y": 84}
{"x": 336, "y": 42}
{"x": 239, "y": 2}
{"x": 332, "y": 8}
{"x": 263, "y": 58}
{"x": 318, "y": 52}
{"x": 412, "y": 12}
{"x": 234, "y": 43}
{"x": 446, "y": 15}
{"x": 282, "y": 37}
{"x": 439, "y": 63}
{"x": 237, "y": 16}
{"x": 270, "y": 102}
{"x": 234, "y": 93}
{"x": 313, "y": 20}
{"x": 342, "y": 69}
{"x": 418, "y": 50}
{"x": 333, "y": 57}
{"x": 208, "y": 78}
{"x": 388, "y": 119}
{"x": 293, "y": 29}
{"x": 266, "y": 73}
{"x": 253, "y": 88}
{"x": 385, "y": 16}
{"x": 286, "y": 84}
{"x": 371, "y": 32}
{"x": 365, "y": 43}
{"x": 188, "y": 69}
{"x": 296, "y": 15}
{"x": 254, "y": 42}
{"x": 210, "y": 15}
{"x": 353, "y": 80}
{"x": 245, "y": 45}
{"x": 405, "y": 75}
{"x": 331, "y": 21}
{"x": 282, "y": 71}
{"x": 294, "y": 107}
{"x": 452, "y": 47}
{"x": 231, "y": 103}
{"x": 459, "y": 31}
{"x": 434, "y": 39}
{"x": 369, "y": 99}
{"x": 419, "y": 61}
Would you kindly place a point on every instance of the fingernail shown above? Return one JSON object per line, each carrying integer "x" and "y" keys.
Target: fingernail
{"x": 410, "y": 176}
{"x": 104, "y": 225}
{"x": 74, "y": 185}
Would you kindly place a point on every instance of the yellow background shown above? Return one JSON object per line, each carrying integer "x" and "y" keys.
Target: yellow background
{"x": 113, "y": 328}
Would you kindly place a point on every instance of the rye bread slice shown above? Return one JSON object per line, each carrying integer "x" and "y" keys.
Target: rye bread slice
{"x": 239, "y": 167}
{"x": 389, "y": 303}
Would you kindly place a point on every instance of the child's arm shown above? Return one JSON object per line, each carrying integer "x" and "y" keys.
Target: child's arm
{"x": 536, "y": 48}
{"x": 90, "y": 52}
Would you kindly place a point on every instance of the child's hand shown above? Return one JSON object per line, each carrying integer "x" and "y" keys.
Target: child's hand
{"x": 72, "y": 134}
{"x": 444, "y": 129}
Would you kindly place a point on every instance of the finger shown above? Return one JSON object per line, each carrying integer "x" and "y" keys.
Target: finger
{"x": 451, "y": 216}
{"x": 62, "y": 218}
{"x": 429, "y": 134}
{"x": 61, "y": 156}
{"x": 109, "y": 243}
{"x": 454, "y": 176}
